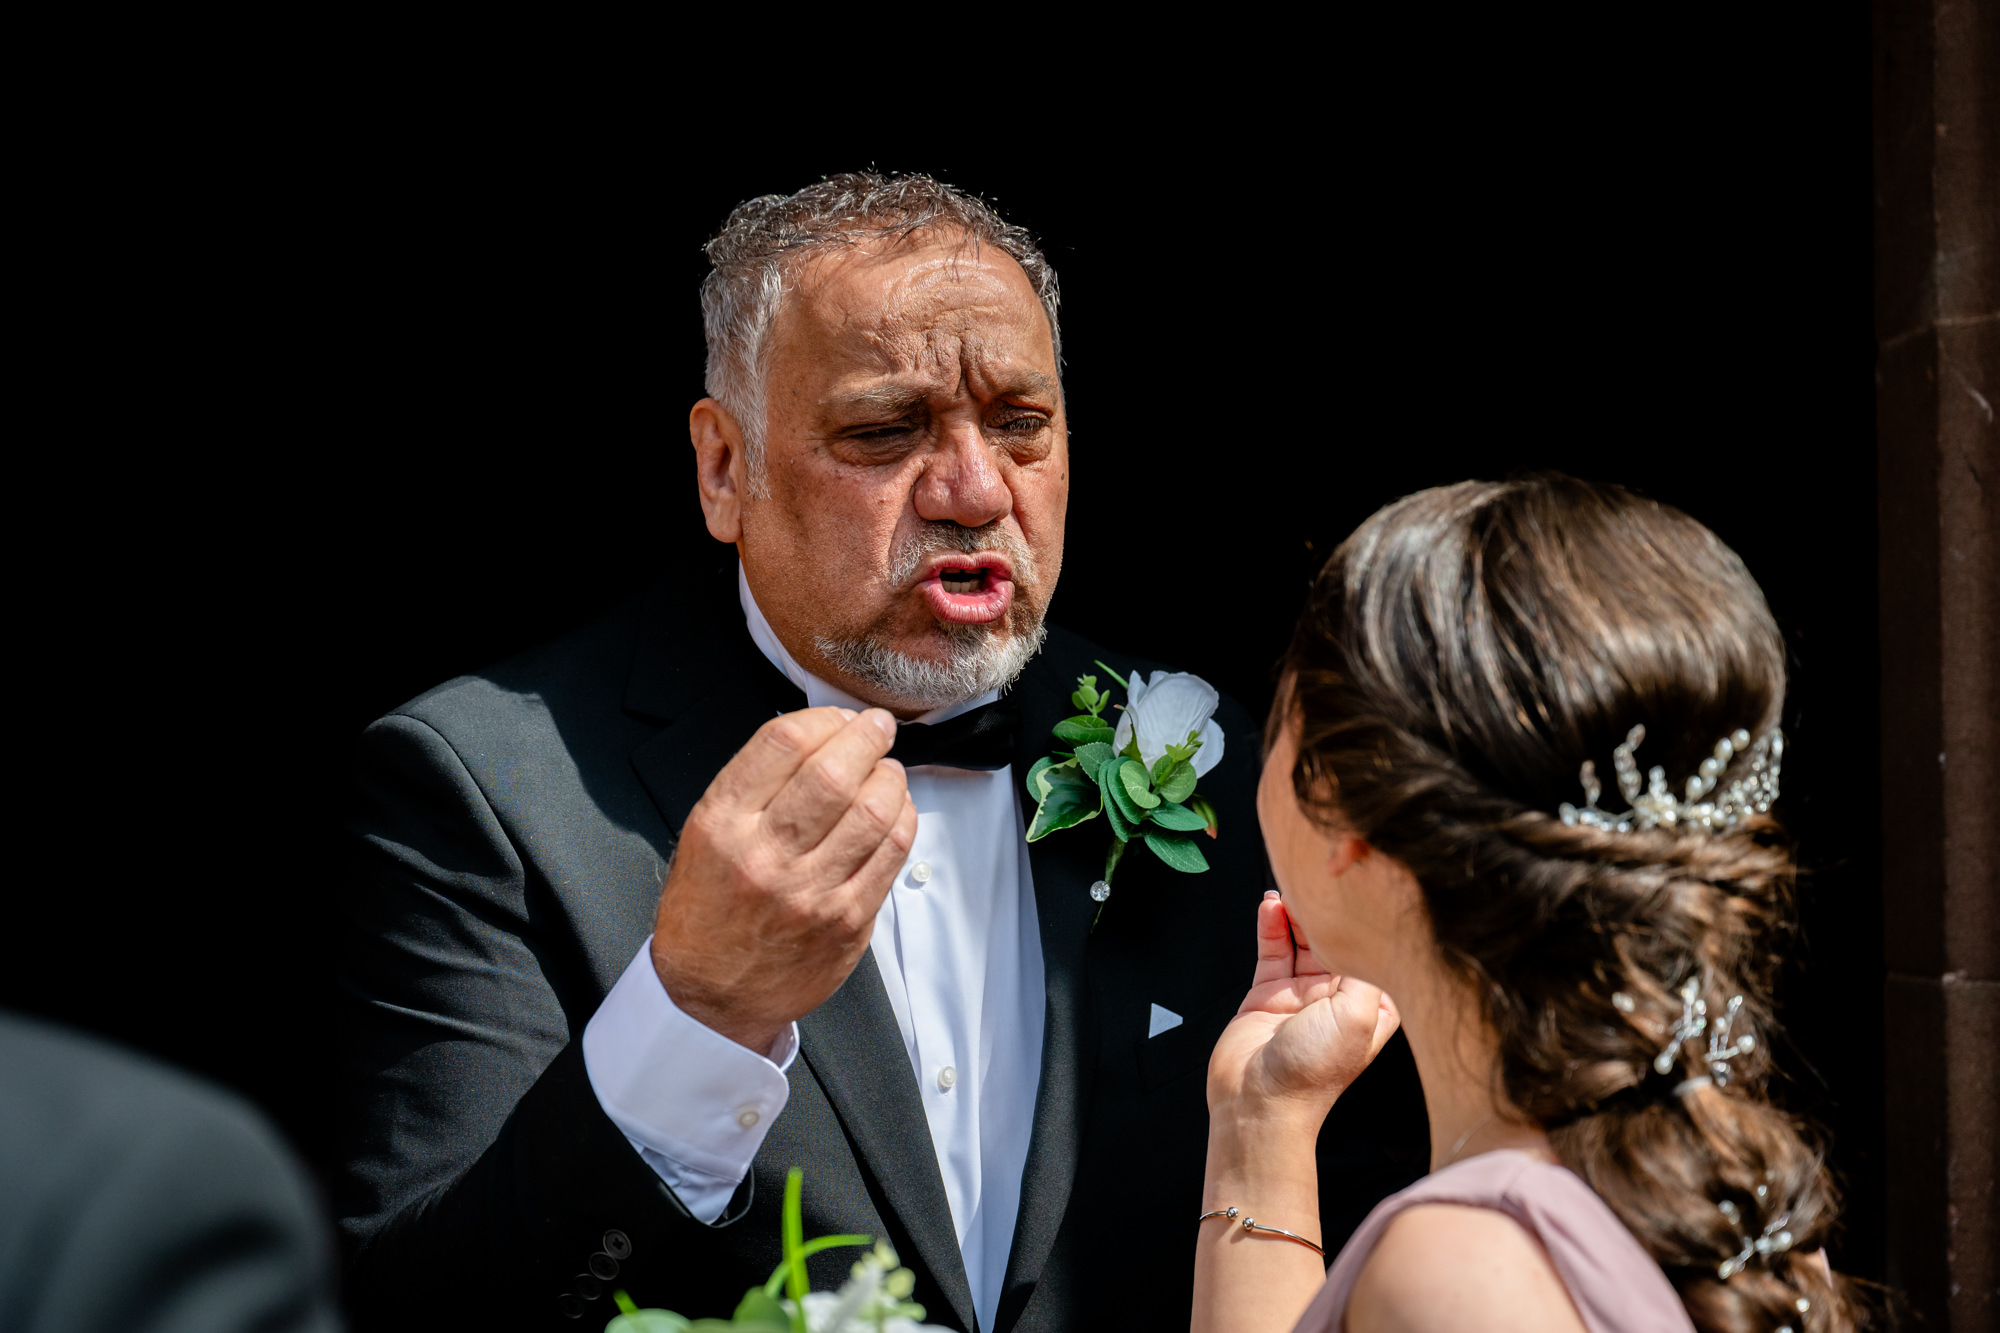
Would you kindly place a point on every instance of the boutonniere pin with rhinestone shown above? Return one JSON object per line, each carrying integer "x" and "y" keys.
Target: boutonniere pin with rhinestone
{"x": 1139, "y": 772}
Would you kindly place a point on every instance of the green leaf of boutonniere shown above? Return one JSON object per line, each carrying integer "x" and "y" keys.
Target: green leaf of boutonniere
{"x": 1132, "y": 774}
{"x": 1092, "y": 756}
{"x": 1110, "y": 777}
{"x": 1083, "y": 729}
{"x": 1179, "y": 784}
{"x": 1179, "y": 818}
{"x": 1176, "y": 851}
{"x": 1070, "y": 798}
{"x": 1124, "y": 827}
{"x": 1200, "y": 805}
{"x": 1036, "y": 787}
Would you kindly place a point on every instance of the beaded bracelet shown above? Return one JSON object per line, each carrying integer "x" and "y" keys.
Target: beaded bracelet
{"x": 1252, "y": 1224}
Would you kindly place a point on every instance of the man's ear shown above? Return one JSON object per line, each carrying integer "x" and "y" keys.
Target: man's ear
{"x": 720, "y": 468}
{"x": 1347, "y": 852}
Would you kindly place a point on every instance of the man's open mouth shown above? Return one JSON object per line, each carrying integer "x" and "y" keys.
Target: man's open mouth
{"x": 969, "y": 590}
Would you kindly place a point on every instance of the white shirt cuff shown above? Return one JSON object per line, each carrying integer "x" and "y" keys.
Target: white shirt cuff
{"x": 694, "y": 1104}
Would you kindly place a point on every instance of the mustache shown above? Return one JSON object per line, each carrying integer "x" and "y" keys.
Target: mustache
{"x": 912, "y": 551}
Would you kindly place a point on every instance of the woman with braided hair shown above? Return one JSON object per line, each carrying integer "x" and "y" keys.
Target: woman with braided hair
{"x": 1587, "y": 991}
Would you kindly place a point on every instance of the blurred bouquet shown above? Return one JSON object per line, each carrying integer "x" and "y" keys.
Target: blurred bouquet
{"x": 874, "y": 1299}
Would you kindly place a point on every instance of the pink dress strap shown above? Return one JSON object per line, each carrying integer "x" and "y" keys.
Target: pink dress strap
{"x": 1616, "y": 1285}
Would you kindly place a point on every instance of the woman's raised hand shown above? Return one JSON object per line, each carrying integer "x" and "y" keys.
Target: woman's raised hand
{"x": 1302, "y": 1035}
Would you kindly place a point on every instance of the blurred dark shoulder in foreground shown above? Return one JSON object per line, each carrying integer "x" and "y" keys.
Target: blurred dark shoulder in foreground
{"x": 133, "y": 1197}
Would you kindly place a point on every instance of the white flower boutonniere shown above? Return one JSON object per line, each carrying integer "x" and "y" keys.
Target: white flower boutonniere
{"x": 1140, "y": 773}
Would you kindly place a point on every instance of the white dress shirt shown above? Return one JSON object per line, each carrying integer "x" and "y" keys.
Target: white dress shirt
{"x": 959, "y": 949}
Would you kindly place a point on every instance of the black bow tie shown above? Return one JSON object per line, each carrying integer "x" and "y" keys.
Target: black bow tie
{"x": 980, "y": 738}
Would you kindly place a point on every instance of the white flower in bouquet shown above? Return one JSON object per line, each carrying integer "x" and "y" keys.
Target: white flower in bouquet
{"x": 1166, "y": 712}
{"x": 875, "y": 1299}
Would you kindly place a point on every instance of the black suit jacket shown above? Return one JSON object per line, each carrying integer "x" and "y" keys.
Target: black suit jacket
{"x": 134, "y": 1199}
{"x": 513, "y": 831}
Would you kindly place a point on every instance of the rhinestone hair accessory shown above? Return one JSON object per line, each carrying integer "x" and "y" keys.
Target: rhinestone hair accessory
{"x": 1775, "y": 1240}
{"x": 1655, "y": 806}
{"x": 1691, "y": 1024}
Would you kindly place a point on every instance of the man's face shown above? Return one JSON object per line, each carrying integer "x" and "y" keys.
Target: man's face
{"x": 917, "y": 466}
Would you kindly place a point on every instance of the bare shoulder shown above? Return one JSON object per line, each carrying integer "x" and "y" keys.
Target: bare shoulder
{"x": 1449, "y": 1266}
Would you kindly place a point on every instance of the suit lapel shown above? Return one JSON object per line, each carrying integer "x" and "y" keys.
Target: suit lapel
{"x": 1064, "y": 867}
{"x": 696, "y": 668}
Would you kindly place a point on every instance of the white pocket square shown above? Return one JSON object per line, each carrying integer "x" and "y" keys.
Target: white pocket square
{"x": 1162, "y": 1020}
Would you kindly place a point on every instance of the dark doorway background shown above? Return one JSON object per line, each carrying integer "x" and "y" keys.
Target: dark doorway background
{"x": 398, "y": 387}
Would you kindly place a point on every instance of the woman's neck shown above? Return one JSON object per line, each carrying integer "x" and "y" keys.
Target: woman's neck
{"x": 1458, "y": 1060}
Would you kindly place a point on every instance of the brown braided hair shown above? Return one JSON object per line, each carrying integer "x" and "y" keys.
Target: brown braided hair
{"x": 1459, "y": 658}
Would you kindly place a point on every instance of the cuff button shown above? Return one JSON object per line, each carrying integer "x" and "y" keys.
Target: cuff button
{"x": 570, "y": 1305}
{"x": 587, "y": 1286}
{"x": 618, "y": 1245}
{"x": 603, "y": 1266}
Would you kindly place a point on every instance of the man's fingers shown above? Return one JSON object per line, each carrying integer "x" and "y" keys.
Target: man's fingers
{"x": 819, "y": 794}
{"x": 770, "y": 758}
{"x": 871, "y": 882}
{"x": 870, "y": 819}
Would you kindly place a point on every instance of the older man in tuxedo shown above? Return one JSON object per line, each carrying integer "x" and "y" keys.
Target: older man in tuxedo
{"x": 735, "y": 879}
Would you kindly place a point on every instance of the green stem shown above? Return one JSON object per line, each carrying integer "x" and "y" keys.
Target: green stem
{"x": 1115, "y": 676}
{"x": 807, "y": 1251}
{"x": 793, "y": 1223}
{"x": 1111, "y": 860}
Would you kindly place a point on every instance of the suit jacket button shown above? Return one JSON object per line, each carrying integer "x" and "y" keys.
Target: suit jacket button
{"x": 617, "y": 1245}
{"x": 570, "y": 1304}
{"x": 587, "y": 1287}
{"x": 603, "y": 1266}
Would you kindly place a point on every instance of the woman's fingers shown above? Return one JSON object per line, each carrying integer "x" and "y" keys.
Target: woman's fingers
{"x": 1360, "y": 1007}
{"x": 1387, "y": 1019}
{"x": 1305, "y": 962}
{"x": 1274, "y": 941}
{"x": 1288, "y": 995}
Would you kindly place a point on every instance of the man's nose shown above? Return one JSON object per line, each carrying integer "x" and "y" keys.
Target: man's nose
{"x": 961, "y": 482}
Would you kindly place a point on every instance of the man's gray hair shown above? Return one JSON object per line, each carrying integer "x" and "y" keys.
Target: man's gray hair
{"x": 759, "y": 245}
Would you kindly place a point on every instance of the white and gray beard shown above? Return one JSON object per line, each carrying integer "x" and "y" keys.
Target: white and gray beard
{"x": 974, "y": 663}
{"x": 978, "y": 658}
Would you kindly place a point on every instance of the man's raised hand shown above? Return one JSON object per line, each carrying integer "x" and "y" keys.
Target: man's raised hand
{"x": 780, "y": 870}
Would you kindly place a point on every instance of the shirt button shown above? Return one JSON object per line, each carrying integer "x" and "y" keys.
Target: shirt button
{"x": 748, "y": 1117}
{"x": 946, "y": 1077}
{"x": 921, "y": 872}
